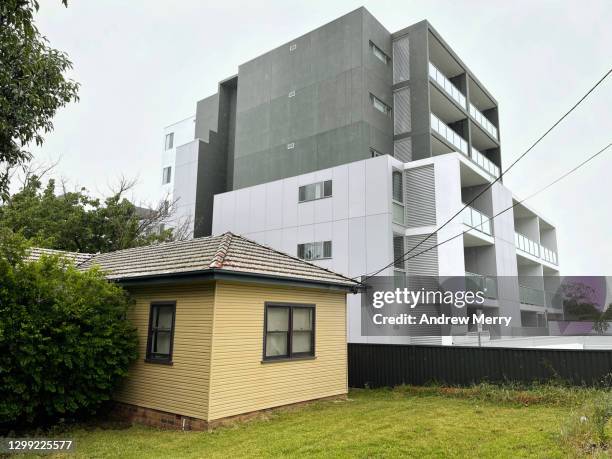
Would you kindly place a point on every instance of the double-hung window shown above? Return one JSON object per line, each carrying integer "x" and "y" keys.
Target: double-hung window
{"x": 315, "y": 191}
{"x": 315, "y": 250}
{"x": 161, "y": 332}
{"x": 289, "y": 331}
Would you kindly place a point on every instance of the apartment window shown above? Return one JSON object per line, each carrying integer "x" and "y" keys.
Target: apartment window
{"x": 166, "y": 175}
{"x": 292, "y": 47}
{"x": 315, "y": 250}
{"x": 397, "y": 185}
{"x": 161, "y": 332}
{"x": 289, "y": 331}
{"x": 315, "y": 191}
{"x": 380, "y": 105}
{"x": 292, "y": 94}
{"x": 169, "y": 141}
{"x": 291, "y": 146}
{"x": 398, "y": 252}
{"x": 379, "y": 53}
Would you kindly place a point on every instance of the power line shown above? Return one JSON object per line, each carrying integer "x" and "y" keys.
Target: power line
{"x": 518, "y": 202}
{"x": 498, "y": 178}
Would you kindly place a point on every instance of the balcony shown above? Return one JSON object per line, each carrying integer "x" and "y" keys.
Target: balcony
{"x": 477, "y": 220}
{"x": 483, "y": 121}
{"x": 479, "y": 283}
{"x": 526, "y": 245}
{"x": 485, "y": 163}
{"x": 449, "y": 135}
{"x": 449, "y": 88}
{"x": 532, "y": 296}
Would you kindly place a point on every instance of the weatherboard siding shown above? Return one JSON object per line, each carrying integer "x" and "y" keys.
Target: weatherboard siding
{"x": 182, "y": 387}
{"x": 240, "y": 382}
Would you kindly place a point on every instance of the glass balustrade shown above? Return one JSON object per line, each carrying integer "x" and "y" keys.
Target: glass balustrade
{"x": 483, "y": 121}
{"x": 446, "y": 84}
{"x": 525, "y": 244}
{"x": 455, "y": 139}
{"x": 476, "y": 220}
{"x": 530, "y": 295}
{"x": 485, "y": 163}
{"x": 478, "y": 282}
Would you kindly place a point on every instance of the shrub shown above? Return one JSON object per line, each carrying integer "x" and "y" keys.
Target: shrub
{"x": 65, "y": 342}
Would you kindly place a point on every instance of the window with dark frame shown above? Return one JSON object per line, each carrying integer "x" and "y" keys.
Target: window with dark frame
{"x": 289, "y": 331}
{"x": 161, "y": 332}
{"x": 315, "y": 250}
{"x": 315, "y": 191}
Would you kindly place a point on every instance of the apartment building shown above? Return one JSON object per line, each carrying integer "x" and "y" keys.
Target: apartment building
{"x": 347, "y": 146}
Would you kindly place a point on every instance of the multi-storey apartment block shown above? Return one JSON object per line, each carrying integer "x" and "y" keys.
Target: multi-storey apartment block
{"x": 349, "y": 145}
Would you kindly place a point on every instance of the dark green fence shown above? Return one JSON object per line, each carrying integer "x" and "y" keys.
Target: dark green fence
{"x": 386, "y": 365}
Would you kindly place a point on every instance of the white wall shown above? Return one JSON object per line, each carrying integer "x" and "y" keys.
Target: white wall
{"x": 356, "y": 218}
{"x": 184, "y": 132}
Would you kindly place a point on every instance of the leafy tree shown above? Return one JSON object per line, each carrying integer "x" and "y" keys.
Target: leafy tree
{"x": 33, "y": 85}
{"x": 65, "y": 342}
{"x": 76, "y": 221}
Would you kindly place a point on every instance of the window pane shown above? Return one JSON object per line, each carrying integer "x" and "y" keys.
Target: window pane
{"x": 327, "y": 188}
{"x": 302, "y": 193}
{"x": 310, "y": 192}
{"x": 278, "y": 319}
{"x": 164, "y": 318}
{"x": 318, "y": 190}
{"x": 276, "y": 344}
{"x": 161, "y": 342}
{"x": 301, "y": 251}
{"x": 397, "y": 186}
{"x": 302, "y": 319}
{"x": 301, "y": 342}
{"x": 327, "y": 249}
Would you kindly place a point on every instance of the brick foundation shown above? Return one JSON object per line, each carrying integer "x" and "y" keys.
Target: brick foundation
{"x": 155, "y": 418}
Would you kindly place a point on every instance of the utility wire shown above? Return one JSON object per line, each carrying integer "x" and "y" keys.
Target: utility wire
{"x": 497, "y": 179}
{"x": 518, "y": 202}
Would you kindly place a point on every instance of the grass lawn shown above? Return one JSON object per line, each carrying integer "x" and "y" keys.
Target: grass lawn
{"x": 371, "y": 423}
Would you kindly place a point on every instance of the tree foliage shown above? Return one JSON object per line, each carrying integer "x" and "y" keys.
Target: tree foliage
{"x": 76, "y": 221}
{"x": 33, "y": 85}
{"x": 65, "y": 342}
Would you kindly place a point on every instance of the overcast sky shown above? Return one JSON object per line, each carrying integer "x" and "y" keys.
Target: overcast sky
{"x": 144, "y": 64}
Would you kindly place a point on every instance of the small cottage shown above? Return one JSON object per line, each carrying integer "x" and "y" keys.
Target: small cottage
{"x": 228, "y": 327}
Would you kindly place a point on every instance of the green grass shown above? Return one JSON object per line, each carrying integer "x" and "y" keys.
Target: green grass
{"x": 413, "y": 422}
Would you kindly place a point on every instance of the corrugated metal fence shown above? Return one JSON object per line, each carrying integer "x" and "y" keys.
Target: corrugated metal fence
{"x": 385, "y": 365}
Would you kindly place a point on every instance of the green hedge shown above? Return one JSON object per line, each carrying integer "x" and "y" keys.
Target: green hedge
{"x": 65, "y": 342}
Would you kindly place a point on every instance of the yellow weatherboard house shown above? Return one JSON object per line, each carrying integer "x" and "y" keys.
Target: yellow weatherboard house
{"x": 228, "y": 327}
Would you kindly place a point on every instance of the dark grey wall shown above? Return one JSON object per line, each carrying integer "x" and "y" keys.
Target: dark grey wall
{"x": 330, "y": 119}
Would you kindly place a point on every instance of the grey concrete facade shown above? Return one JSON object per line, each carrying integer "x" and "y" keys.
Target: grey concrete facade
{"x": 310, "y": 104}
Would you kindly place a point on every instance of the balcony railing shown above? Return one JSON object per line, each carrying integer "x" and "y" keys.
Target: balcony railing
{"x": 524, "y": 244}
{"x": 530, "y": 295}
{"x": 485, "y": 163}
{"x": 483, "y": 121}
{"x": 478, "y": 282}
{"x": 477, "y": 220}
{"x": 446, "y": 84}
{"x": 455, "y": 139}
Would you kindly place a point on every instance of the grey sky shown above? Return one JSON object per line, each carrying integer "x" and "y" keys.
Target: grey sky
{"x": 144, "y": 64}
